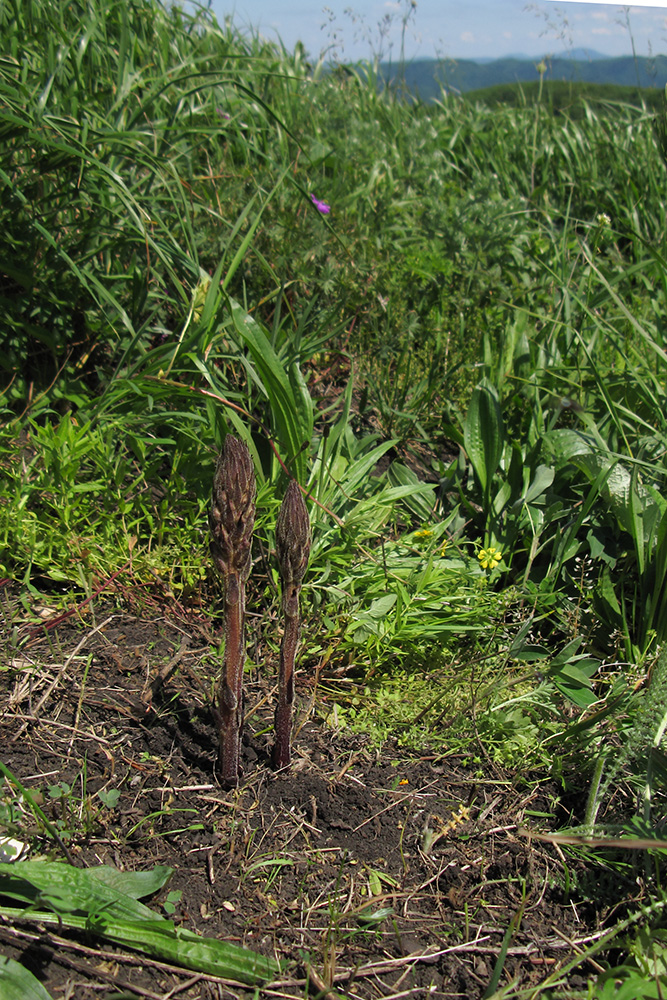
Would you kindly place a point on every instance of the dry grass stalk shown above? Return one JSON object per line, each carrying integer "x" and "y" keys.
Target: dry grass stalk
{"x": 292, "y": 550}
{"x": 231, "y": 521}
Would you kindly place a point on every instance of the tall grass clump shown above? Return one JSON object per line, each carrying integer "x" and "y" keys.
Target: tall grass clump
{"x": 123, "y": 260}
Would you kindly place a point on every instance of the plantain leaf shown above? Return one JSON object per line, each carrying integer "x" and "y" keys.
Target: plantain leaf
{"x": 17, "y": 983}
{"x": 483, "y": 433}
{"x": 66, "y": 889}
{"x": 134, "y": 884}
{"x": 90, "y": 900}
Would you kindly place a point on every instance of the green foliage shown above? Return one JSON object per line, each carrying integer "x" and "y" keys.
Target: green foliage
{"x": 463, "y": 363}
{"x": 105, "y": 902}
{"x": 640, "y": 758}
{"x": 571, "y": 97}
{"x": 466, "y": 354}
{"x": 17, "y": 983}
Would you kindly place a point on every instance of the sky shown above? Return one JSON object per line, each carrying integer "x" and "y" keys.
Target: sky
{"x": 451, "y": 29}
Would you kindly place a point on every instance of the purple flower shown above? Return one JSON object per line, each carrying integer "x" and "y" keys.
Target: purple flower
{"x": 321, "y": 206}
{"x": 223, "y": 114}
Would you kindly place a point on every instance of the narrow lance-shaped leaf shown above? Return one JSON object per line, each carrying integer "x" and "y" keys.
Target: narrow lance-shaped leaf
{"x": 483, "y": 434}
{"x": 231, "y": 521}
{"x": 89, "y": 900}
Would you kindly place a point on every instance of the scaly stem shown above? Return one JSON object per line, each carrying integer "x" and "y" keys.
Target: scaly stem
{"x": 281, "y": 751}
{"x": 231, "y": 521}
{"x": 292, "y": 550}
{"x": 230, "y": 689}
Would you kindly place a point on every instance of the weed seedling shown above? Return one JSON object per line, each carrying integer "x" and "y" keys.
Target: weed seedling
{"x": 231, "y": 521}
{"x": 293, "y": 551}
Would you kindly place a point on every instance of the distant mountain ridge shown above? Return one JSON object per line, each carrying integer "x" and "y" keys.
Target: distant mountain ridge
{"x": 580, "y": 55}
{"x": 428, "y": 78}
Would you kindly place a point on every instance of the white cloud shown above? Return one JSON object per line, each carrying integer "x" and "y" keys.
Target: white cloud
{"x": 468, "y": 37}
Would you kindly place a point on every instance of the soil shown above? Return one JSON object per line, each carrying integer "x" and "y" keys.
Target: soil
{"x": 292, "y": 864}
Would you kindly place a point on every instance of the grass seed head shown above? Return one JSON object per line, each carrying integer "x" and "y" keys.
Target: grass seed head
{"x": 232, "y": 515}
{"x": 293, "y": 536}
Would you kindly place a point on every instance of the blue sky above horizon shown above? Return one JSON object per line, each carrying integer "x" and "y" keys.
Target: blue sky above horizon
{"x": 360, "y": 29}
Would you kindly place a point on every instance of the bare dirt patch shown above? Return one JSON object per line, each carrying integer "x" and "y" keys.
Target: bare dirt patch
{"x": 370, "y": 873}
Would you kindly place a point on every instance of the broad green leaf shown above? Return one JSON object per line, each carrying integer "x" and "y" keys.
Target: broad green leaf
{"x": 160, "y": 939}
{"x": 163, "y": 941}
{"x": 635, "y": 519}
{"x": 564, "y": 443}
{"x": 80, "y": 899}
{"x": 483, "y": 433}
{"x": 70, "y": 890}
{"x": 615, "y": 485}
{"x": 18, "y": 983}
{"x": 501, "y": 498}
{"x": 381, "y": 606}
{"x": 133, "y": 884}
{"x": 567, "y": 652}
{"x": 371, "y": 621}
{"x": 578, "y": 694}
{"x": 540, "y": 483}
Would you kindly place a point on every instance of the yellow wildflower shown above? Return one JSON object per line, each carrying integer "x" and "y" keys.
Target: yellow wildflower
{"x": 490, "y": 557}
{"x": 422, "y": 535}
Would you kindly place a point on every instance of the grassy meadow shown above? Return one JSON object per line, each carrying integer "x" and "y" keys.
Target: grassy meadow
{"x": 448, "y": 322}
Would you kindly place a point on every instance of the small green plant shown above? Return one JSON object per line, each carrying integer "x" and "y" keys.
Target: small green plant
{"x": 109, "y": 797}
{"x": 172, "y": 899}
{"x": 641, "y": 758}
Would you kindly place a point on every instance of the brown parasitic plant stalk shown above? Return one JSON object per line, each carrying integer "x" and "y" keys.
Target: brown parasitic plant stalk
{"x": 231, "y": 521}
{"x": 292, "y": 550}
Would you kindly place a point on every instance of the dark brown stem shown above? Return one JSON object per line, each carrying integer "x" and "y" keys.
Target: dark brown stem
{"x": 230, "y": 689}
{"x": 292, "y": 550}
{"x": 288, "y": 648}
{"x": 231, "y": 521}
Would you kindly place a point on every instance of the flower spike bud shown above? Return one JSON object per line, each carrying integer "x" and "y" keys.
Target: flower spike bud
{"x": 293, "y": 536}
{"x": 232, "y": 515}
